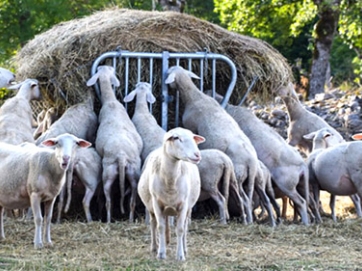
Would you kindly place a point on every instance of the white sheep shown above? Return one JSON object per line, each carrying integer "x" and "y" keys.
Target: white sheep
{"x": 16, "y": 117}
{"x": 32, "y": 175}
{"x": 322, "y": 139}
{"x": 302, "y": 121}
{"x": 170, "y": 186}
{"x": 6, "y": 78}
{"x": 287, "y": 167}
{"x": 217, "y": 171}
{"x": 117, "y": 142}
{"x": 87, "y": 168}
{"x": 204, "y": 116}
{"x": 146, "y": 124}
{"x": 79, "y": 120}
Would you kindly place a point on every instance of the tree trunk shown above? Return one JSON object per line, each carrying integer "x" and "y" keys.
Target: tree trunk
{"x": 324, "y": 33}
{"x": 173, "y": 5}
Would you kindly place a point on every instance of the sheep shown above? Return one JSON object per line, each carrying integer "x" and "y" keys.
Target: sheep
{"x": 302, "y": 121}
{"x": 216, "y": 169}
{"x": 79, "y": 120}
{"x": 32, "y": 175}
{"x": 204, "y": 116}
{"x": 286, "y": 165}
{"x": 117, "y": 141}
{"x": 6, "y": 78}
{"x": 17, "y": 110}
{"x": 87, "y": 168}
{"x": 145, "y": 123}
{"x": 170, "y": 186}
{"x": 321, "y": 140}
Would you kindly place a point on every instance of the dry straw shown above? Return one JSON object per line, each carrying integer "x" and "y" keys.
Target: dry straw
{"x": 61, "y": 57}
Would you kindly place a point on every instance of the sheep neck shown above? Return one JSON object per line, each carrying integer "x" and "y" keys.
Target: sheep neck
{"x": 24, "y": 93}
{"x": 171, "y": 170}
{"x": 188, "y": 91}
{"x": 141, "y": 103}
{"x": 106, "y": 90}
{"x": 294, "y": 107}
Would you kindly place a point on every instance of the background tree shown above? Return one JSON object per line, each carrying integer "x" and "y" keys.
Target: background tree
{"x": 324, "y": 32}
{"x": 290, "y": 26}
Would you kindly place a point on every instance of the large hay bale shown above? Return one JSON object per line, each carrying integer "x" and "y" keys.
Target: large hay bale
{"x": 61, "y": 57}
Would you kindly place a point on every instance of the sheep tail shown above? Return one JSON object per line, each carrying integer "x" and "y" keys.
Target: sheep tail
{"x": 122, "y": 181}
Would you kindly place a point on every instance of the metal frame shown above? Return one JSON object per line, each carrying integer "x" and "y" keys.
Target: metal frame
{"x": 165, "y": 57}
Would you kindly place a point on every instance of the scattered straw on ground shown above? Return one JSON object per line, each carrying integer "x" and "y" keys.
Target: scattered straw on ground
{"x": 61, "y": 57}
{"x": 125, "y": 246}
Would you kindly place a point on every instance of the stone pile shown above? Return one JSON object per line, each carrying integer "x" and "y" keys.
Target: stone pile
{"x": 340, "y": 109}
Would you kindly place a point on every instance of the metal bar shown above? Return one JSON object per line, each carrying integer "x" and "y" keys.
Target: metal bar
{"x": 151, "y": 78}
{"x": 126, "y": 75}
{"x": 249, "y": 89}
{"x": 164, "y": 90}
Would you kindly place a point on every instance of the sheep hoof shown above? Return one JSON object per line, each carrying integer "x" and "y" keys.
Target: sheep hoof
{"x": 38, "y": 245}
{"x": 161, "y": 256}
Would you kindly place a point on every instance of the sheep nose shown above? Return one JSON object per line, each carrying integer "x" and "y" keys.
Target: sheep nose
{"x": 66, "y": 159}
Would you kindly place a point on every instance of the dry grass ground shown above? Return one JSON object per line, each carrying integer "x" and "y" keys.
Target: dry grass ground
{"x": 124, "y": 246}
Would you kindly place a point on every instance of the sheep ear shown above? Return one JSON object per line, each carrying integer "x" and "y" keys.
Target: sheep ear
{"x": 199, "y": 139}
{"x": 309, "y": 136}
{"x": 15, "y": 87}
{"x": 357, "y": 136}
{"x": 92, "y": 80}
{"x": 83, "y": 143}
{"x": 50, "y": 142}
{"x": 130, "y": 96}
{"x": 192, "y": 75}
{"x": 115, "y": 82}
{"x": 170, "y": 78}
{"x": 150, "y": 98}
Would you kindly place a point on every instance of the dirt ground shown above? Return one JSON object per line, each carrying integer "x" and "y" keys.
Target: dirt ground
{"x": 211, "y": 246}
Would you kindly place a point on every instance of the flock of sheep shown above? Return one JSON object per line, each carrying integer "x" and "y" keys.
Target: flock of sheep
{"x": 241, "y": 158}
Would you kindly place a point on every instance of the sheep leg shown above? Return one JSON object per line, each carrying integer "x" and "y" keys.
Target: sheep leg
{"x": 181, "y": 234}
{"x": 220, "y": 201}
{"x": 48, "y": 214}
{"x": 2, "y": 234}
{"x": 38, "y": 219}
{"x": 299, "y": 203}
{"x": 357, "y": 204}
{"x": 250, "y": 192}
{"x": 86, "y": 203}
{"x": 69, "y": 182}
{"x": 131, "y": 176}
{"x": 244, "y": 206}
{"x": 108, "y": 176}
{"x": 285, "y": 207}
{"x": 122, "y": 182}
{"x": 161, "y": 229}
{"x": 153, "y": 224}
{"x": 266, "y": 202}
{"x": 60, "y": 204}
{"x": 332, "y": 203}
{"x": 187, "y": 222}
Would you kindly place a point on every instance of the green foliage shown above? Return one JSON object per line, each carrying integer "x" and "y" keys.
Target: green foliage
{"x": 289, "y": 26}
{"x": 22, "y": 20}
